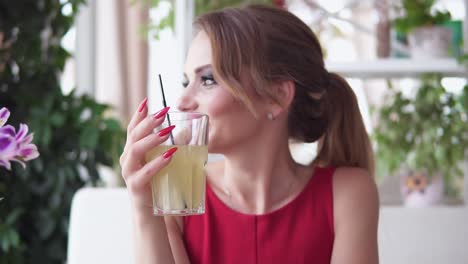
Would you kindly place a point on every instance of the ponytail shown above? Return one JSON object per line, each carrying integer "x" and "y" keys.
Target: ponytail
{"x": 345, "y": 141}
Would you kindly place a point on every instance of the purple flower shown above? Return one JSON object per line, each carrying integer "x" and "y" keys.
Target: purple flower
{"x": 4, "y": 114}
{"x": 8, "y": 148}
{"x": 15, "y": 146}
{"x": 26, "y": 150}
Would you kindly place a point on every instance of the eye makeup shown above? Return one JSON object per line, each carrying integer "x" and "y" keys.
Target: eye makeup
{"x": 203, "y": 75}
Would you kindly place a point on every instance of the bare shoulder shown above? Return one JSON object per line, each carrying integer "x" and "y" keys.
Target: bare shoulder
{"x": 354, "y": 190}
{"x": 355, "y": 216}
{"x": 345, "y": 178}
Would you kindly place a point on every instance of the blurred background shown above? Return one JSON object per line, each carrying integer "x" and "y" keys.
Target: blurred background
{"x": 76, "y": 70}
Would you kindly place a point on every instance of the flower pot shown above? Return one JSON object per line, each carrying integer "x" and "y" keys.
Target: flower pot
{"x": 430, "y": 42}
{"x": 420, "y": 190}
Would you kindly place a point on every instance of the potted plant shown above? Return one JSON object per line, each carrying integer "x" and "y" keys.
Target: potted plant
{"x": 73, "y": 133}
{"x": 427, "y": 38}
{"x": 424, "y": 140}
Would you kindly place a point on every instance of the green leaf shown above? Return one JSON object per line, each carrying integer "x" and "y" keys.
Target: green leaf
{"x": 89, "y": 137}
{"x": 57, "y": 119}
{"x": 14, "y": 238}
{"x": 5, "y": 241}
{"x": 112, "y": 125}
{"x": 13, "y": 216}
{"x": 46, "y": 135}
{"x": 417, "y": 14}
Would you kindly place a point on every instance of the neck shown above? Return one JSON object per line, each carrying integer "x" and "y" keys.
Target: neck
{"x": 258, "y": 176}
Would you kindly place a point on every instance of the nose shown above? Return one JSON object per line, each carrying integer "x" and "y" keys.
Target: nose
{"x": 187, "y": 102}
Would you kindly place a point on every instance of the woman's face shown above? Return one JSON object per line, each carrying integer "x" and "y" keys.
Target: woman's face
{"x": 231, "y": 124}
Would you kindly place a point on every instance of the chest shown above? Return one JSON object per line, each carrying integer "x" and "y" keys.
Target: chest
{"x": 295, "y": 234}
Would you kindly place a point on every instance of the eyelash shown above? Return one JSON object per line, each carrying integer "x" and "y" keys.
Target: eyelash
{"x": 204, "y": 80}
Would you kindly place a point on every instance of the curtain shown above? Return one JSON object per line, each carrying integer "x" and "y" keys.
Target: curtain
{"x": 121, "y": 55}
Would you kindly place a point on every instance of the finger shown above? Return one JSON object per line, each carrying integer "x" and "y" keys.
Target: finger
{"x": 144, "y": 175}
{"x": 145, "y": 127}
{"x": 126, "y": 170}
{"x": 139, "y": 115}
{"x": 137, "y": 152}
{"x": 133, "y": 157}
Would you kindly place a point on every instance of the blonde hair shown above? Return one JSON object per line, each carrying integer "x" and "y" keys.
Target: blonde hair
{"x": 257, "y": 46}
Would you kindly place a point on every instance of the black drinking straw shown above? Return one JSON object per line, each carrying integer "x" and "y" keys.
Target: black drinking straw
{"x": 165, "y": 105}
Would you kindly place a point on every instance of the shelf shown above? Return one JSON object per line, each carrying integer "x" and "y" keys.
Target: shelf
{"x": 397, "y": 68}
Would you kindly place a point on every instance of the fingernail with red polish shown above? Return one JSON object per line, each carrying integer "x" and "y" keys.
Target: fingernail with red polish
{"x": 161, "y": 112}
{"x": 169, "y": 153}
{"x": 165, "y": 131}
{"x": 143, "y": 105}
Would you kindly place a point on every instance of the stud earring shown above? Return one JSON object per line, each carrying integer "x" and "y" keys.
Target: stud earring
{"x": 270, "y": 116}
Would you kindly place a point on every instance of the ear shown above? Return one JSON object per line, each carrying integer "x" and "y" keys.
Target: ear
{"x": 285, "y": 94}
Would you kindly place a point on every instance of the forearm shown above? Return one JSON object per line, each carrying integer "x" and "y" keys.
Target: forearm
{"x": 151, "y": 239}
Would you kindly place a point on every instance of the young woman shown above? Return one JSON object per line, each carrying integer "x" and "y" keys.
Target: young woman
{"x": 258, "y": 73}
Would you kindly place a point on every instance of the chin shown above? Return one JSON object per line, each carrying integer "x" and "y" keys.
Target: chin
{"x": 214, "y": 146}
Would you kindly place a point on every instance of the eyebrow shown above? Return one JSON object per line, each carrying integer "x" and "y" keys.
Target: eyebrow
{"x": 201, "y": 68}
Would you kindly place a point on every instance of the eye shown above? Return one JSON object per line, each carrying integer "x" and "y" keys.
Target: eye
{"x": 208, "y": 80}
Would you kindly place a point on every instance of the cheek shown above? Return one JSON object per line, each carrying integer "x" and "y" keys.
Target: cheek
{"x": 218, "y": 103}
{"x": 230, "y": 120}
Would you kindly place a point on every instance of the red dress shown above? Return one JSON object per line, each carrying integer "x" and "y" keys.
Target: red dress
{"x": 299, "y": 232}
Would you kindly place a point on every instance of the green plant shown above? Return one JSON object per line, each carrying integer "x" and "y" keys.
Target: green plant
{"x": 427, "y": 132}
{"x": 417, "y": 13}
{"x": 201, "y": 7}
{"x": 72, "y": 132}
{"x": 463, "y": 59}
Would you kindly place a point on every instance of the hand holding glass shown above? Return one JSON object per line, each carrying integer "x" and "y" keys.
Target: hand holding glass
{"x": 179, "y": 188}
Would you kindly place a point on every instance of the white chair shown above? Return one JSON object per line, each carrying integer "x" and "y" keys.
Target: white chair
{"x": 100, "y": 227}
{"x": 101, "y": 231}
